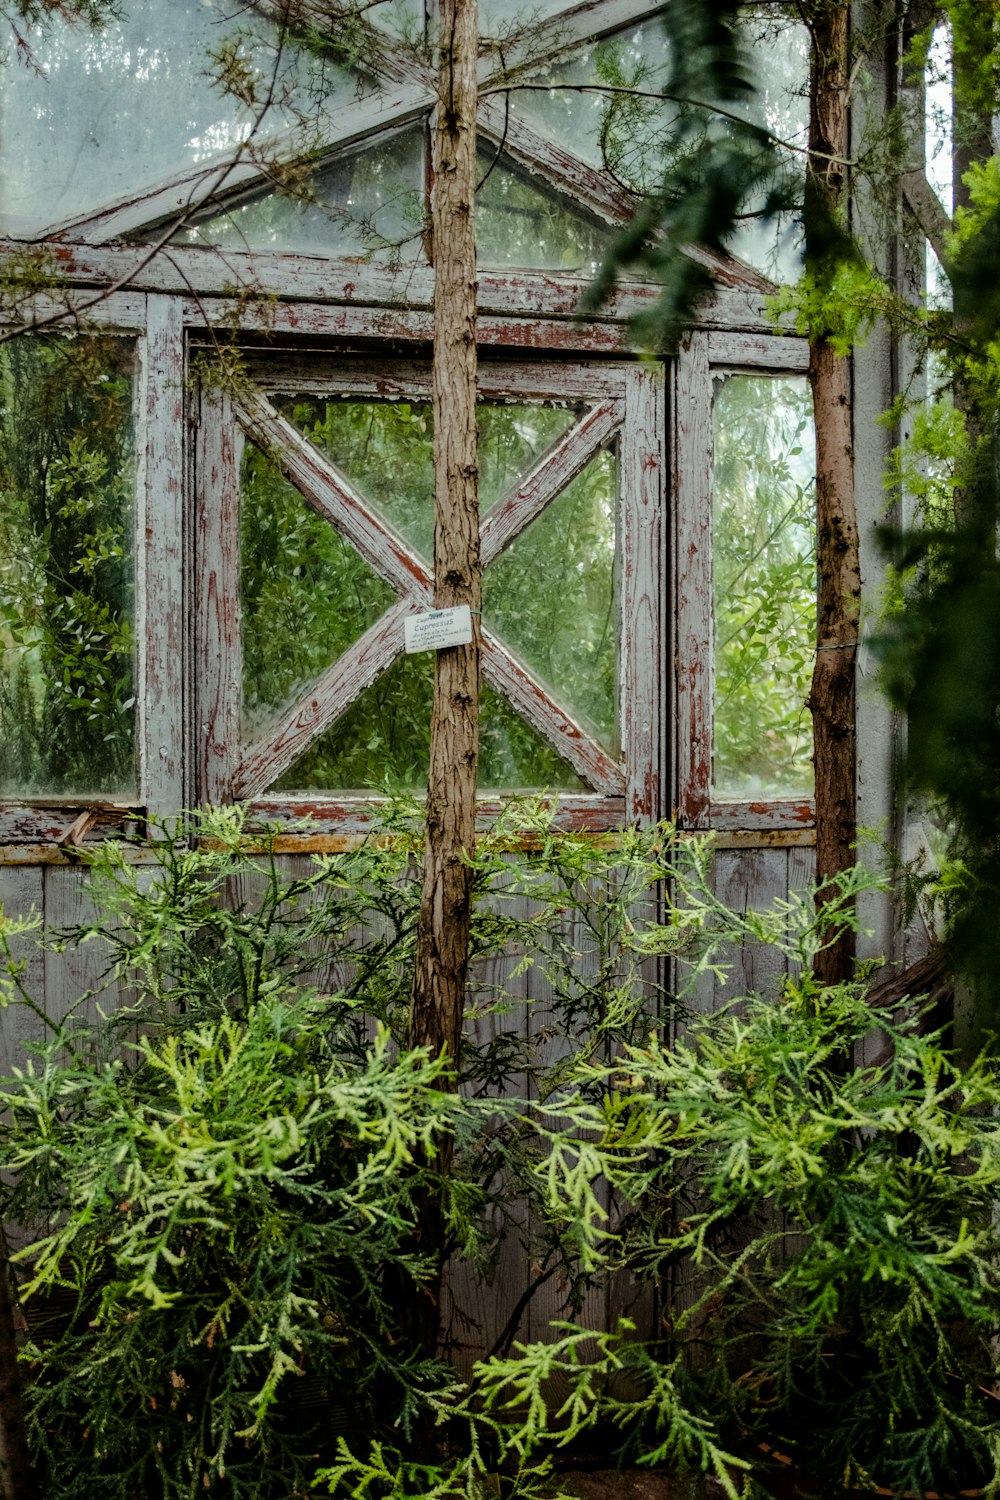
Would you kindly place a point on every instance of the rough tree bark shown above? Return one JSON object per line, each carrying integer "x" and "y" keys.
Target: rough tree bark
{"x": 443, "y": 930}
{"x": 442, "y": 940}
{"x": 832, "y": 694}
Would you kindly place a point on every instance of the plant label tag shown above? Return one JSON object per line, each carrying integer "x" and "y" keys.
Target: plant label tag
{"x": 437, "y": 629}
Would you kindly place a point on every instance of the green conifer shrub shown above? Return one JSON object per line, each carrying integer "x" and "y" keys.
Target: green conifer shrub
{"x": 213, "y": 1181}
{"x": 822, "y": 1229}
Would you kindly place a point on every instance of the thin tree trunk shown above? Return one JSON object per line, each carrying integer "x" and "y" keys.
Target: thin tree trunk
{"x": 443, "y": 930}
{"x": 832, "y": 695}
{"x": 16, "y": 1479}
{"x": 972, "y": 136}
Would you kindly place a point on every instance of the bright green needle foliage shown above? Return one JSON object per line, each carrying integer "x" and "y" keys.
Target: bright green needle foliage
{"x": 823, "y": 1232}
{"x": 226, "y": 1205}
{"x": 214, "y": 1182}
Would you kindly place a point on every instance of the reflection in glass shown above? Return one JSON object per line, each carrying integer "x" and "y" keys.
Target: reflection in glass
{"x": 382, "y": 742}
{"x": 97, "y": 115}
{"x": 67, "y": 718}
{"x": 605, "y": 128}
{"x": 780, "y": 49}
{"x": 624, "y": 131}
{"x": 385, "y": 449}
{"x": 361, "y": 203}
{"x": 552, "y": 597}
{"x": 510, "y": 439}
{"x": 506, "y": 18}
{"x": 764, "y": 560}
{"x": 305, "y": 593}
{"x": 519, "y": 224}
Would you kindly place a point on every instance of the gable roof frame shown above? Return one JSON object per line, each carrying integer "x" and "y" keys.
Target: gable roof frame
{"x": 405, "y": 102}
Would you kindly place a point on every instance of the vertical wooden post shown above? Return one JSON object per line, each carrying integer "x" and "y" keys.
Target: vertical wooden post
{"x": 832, "y": 695}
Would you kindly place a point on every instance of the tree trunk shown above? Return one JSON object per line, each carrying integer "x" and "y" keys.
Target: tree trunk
{"x": 16, "y": 1480}
{"x": 972, "y": 144}
{"x": 832, "y": 695}
{"x": 443, "y": 930}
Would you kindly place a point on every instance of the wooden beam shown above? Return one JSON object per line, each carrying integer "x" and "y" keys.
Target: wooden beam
{"x": 567, "y": 457}
{"x": 218, "y": 286}
{"x": 533, "y": 700}
{"x": 218, "y": 682}
{"x": 339, "y": 686}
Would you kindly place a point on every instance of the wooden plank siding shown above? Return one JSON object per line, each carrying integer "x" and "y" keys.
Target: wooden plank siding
{"x": 22, "y": 893}
{"x": 751, "y": 879}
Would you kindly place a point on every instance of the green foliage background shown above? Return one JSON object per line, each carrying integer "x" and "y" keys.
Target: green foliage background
{"x": 66, "y": 566}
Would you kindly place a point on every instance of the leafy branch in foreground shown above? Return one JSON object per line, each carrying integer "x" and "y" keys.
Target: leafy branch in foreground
{"x": 716, "y": 159}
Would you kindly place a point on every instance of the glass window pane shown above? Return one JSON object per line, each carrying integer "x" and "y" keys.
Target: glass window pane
{"x": 624, "y": 132}
{"x": 780, "y": 48}
{"x": 519, "y": 224}
{"x": 97, "y": 115}
{"x": 365, "y": 203}
{"x": 552, "y": 597}
{"x": 764, "y": 552}
{"x": 604, "y": 129}
{"x": 385, "y": 449}
{"x": 502, "y": 18}
{"x": 510, "y": 439}
{"x": 67, "y": 717}
{"x": 305, "y": 593}
{"x": 382, "y": 742}
{"x": 513, "y": 757}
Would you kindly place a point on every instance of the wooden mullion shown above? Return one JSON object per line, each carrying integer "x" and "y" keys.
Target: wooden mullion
{"x": 552, "y": 472}
{"x": 642, "y": 483}
{"x": 333, "y": 693}
{"x": 534, "y": 702}
{"x": 692, "y": 555}
{"x": 218, "y": 686}
{"x": 160, "y": 626}
{"x": 332, "y": 497}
